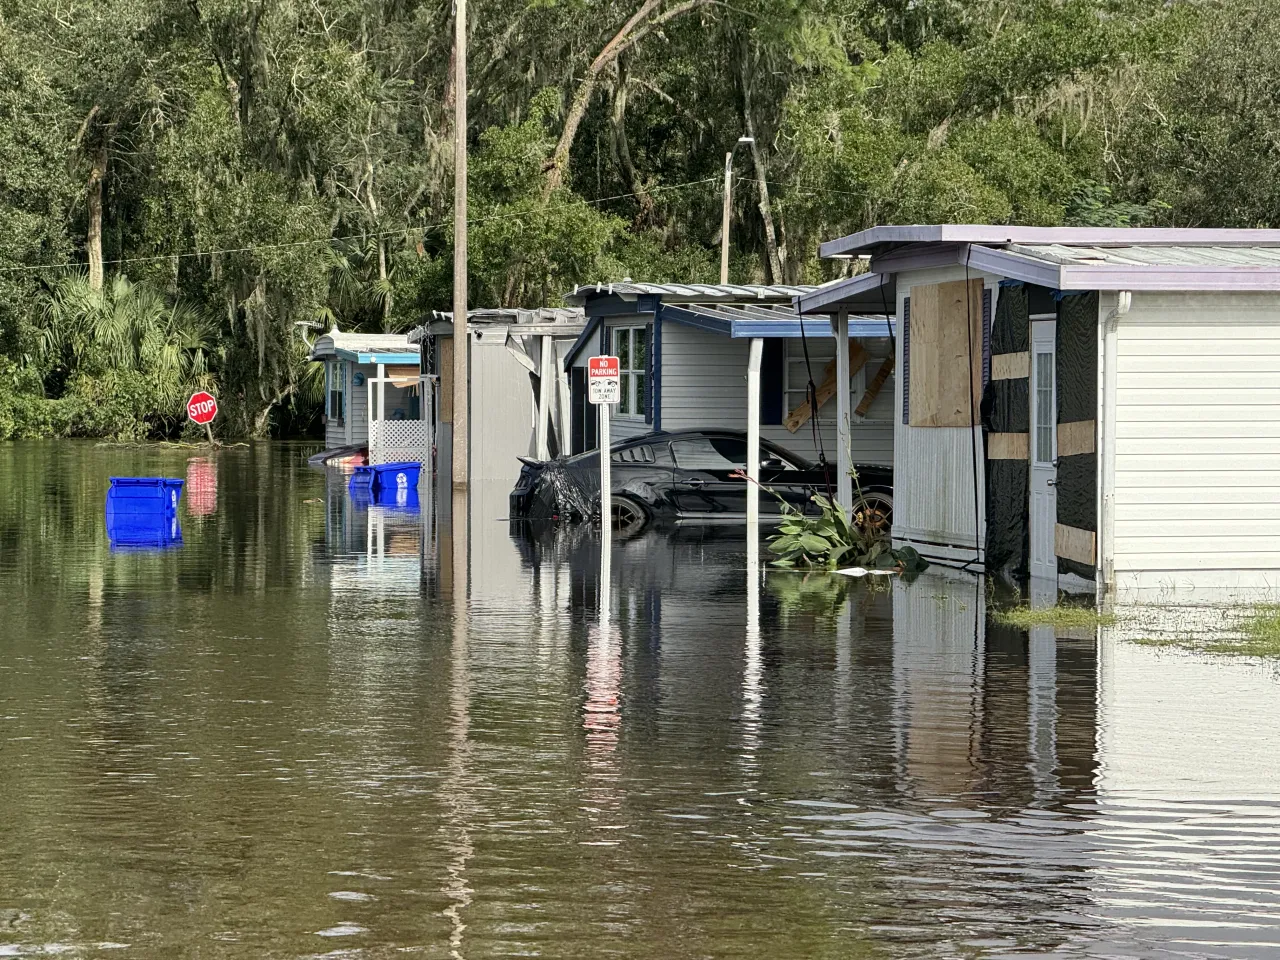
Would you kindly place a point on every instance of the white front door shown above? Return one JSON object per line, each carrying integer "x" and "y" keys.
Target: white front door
{"x": 1044, "y": 450}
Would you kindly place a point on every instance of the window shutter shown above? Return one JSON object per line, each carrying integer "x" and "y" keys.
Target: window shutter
{"x": 906, "y": 360}
{"x": 773, "y": 364}
{"x": 648, "y": 373}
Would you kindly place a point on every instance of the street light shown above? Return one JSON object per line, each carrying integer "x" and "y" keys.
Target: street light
{"x": 724, "y": 223}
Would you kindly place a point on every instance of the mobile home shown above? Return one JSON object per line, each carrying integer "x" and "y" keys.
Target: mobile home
{"x": 1091, "y": 404}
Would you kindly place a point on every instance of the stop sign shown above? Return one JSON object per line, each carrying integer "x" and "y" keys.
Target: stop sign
{"x": 202, "y": 408}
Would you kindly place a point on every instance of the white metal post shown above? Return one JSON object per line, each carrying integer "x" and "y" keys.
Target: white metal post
{"x": 844, "y": 484}
{"x": 606, "y": 519}
{"x": 371, "y": 415}
{"x": 382, "y": 391}
{"x": 566, "y": 423}
{"x": 545, "y": 394}
{"x": 753, "y": 450}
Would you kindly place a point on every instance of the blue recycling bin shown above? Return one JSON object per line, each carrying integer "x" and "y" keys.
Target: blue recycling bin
{"x": 404, "y": 499}
{"x": 142, "y": 513}
{"x": 384, "y": 476}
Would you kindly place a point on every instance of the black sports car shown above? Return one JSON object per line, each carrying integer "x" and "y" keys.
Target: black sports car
{"x": 690, "y": 475}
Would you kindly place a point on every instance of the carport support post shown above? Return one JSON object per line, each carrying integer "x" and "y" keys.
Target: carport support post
{"x": 544, "y": 398}
{"x": 844, "y": 484}
{"x": 753, "y": 450}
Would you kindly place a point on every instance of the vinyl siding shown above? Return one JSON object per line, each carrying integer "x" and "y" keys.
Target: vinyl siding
{"x": 1197, "y": 436}
{"x": 704, "y": 384}
{"x": 503, "y": 414}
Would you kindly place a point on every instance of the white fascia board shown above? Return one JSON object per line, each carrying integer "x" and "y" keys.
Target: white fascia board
{"x": 1016, "y": 266}
{"x": 830, "y": 295}
{"x": 1171, "y": 278}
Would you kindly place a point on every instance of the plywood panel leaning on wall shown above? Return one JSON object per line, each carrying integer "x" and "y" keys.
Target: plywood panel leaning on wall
{"x": 946, "y": 339}
{"x": 446, "y": 379}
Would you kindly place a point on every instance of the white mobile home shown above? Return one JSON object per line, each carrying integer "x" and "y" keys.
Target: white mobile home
{"x": 1096, "y": 402}
{"x": 373, "y": 396}
{"x": 685, "y": 353}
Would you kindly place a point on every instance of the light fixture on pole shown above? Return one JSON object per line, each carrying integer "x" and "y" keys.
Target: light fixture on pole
{"x": 728, "y": 205}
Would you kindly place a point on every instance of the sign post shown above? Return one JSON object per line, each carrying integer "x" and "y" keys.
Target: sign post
{"x": 604, "y": 386}
{"x": 202, "y": 408}
{"x": 604, "y": 381}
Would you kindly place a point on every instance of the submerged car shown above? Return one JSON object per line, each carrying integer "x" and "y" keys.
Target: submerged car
{"x": 693, "y": 475}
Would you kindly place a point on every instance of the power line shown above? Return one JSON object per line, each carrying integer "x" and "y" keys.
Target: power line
{"x": 422, "y": 229}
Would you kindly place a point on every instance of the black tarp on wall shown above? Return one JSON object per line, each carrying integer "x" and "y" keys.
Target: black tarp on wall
{"x": 1005, "y": 409}
{"x": 1077, "y": 375}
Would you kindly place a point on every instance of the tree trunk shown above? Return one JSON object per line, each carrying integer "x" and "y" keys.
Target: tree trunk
{"x": 776, "y": 254}
{"x": 632, "y": 31}
{"x": 94, "y": 240}
{"x": 384, "y": 291}
{"x": 622, "y": 149}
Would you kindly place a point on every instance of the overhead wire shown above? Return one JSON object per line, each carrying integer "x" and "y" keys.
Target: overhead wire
{"x": 422, "y": 229}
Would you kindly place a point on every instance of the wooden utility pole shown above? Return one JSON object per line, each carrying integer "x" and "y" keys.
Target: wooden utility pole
{"x": 724, "y": 218}
{"x": 461, "y": 344}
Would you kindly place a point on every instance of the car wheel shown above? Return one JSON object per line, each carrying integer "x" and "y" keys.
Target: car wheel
{"x": 873, "y": 514}
{"x": 627, "y": 516}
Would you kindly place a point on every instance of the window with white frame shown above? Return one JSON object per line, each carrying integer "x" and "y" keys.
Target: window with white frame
{"x": 822, "y": 351}
{"x": 336, "y": 402}
{"x": 631, "y": 347}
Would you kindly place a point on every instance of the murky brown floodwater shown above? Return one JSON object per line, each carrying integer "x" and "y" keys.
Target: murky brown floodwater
{"x": 279, "y": 740}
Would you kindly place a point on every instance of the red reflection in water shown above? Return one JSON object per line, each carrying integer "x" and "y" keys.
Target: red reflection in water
{"x": 202, "y": 487}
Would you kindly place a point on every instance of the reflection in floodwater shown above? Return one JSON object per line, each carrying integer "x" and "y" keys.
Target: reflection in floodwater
{"x": 326, "y": 728}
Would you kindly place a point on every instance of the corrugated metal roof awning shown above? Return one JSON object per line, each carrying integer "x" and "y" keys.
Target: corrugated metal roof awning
{"x": 749, "y": 322}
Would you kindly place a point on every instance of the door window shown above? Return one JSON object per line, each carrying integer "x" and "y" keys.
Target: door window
{"x": 710, "y": 453}
{"x": 1044, "y": 408}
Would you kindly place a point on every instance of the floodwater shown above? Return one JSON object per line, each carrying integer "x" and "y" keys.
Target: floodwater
{"x": 292, "y": 735}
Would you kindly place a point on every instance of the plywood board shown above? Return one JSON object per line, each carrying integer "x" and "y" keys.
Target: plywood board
{"x": 1011, "y": 366}
{"x": 946, "y": 340}
{"x": 1007, "y": 446}
{"x": 874, "y": 387}
{"x": 1072, "y": 543}
{"x": 1077, "y": 437}
{"x": 446, "y": 379}
{"x": 798, "y": 417}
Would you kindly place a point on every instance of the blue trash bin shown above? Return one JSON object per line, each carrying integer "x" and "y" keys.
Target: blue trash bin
{"x": 142, "y": 512}
{"x": 361, "y": 478}
{"x": 396, "y": 476}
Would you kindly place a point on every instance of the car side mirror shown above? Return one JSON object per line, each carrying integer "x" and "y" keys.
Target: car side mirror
{"x": 772, "y": 463}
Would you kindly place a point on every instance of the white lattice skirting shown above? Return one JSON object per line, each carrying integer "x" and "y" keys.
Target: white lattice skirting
{"x": 394, "y": 441}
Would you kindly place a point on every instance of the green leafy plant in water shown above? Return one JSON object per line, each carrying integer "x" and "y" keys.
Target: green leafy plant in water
{"x": 829, "y": 539}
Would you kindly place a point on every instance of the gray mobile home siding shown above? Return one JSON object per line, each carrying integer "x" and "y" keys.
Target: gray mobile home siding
{"x": 704, "y": 384}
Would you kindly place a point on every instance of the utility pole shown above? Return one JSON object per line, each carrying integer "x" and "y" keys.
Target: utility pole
{"x": 728, "y": 206}
{"x": 461, "y": 341}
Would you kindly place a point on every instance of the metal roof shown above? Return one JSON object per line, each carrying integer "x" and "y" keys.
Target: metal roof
{"x": 1131, "y": 255}
{"x": 878, "y": 239}
{"x": 365, "y": 347}
{"x": 765, "y": 320}
{"x": 685, "y": 292}
{"x": 558, "y": 321}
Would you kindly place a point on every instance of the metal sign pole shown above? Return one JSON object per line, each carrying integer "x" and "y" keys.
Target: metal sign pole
{"x": 606, "y": 521}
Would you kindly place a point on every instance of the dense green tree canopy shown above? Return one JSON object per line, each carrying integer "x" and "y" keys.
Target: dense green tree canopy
{"x": 250, "y": 165}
